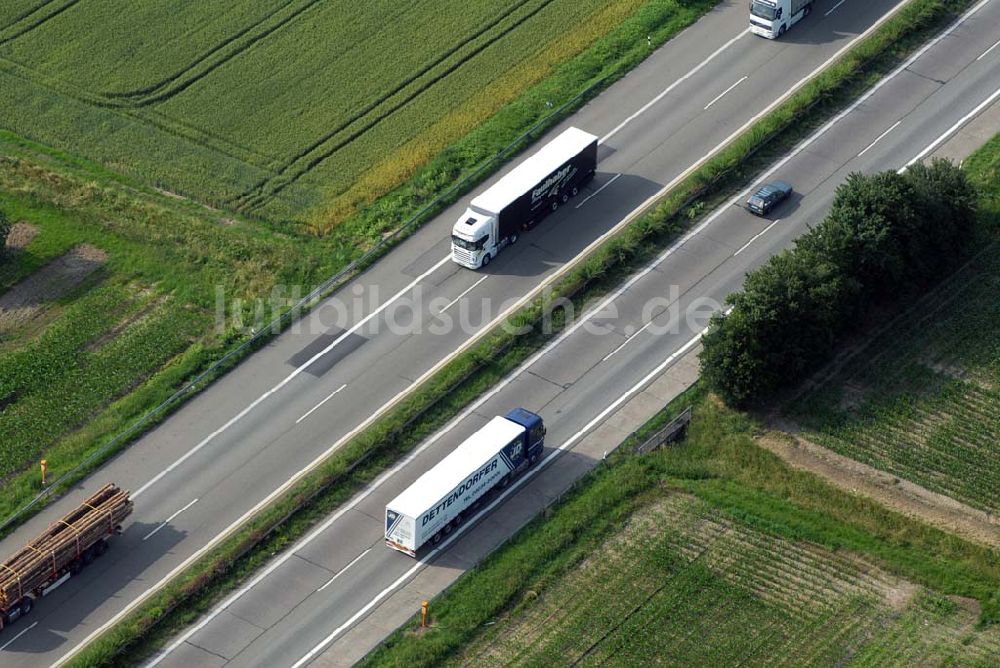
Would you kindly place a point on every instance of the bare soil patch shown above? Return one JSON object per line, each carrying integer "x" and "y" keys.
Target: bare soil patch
{"x": 895, "y": 493}
{"x": 21, "y": 234}
{"x": 26, "y": 300}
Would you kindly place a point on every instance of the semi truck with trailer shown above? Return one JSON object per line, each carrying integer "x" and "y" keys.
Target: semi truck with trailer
{"x": 771, "y": 18}
{"x": 535, "y": 188}
{"x": 61, "y": 551}
{"x": 441, "y": 498}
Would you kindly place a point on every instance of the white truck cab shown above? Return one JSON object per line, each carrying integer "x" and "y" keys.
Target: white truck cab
{"x": 475, "y": 239}
{"x": 771, "y": 18}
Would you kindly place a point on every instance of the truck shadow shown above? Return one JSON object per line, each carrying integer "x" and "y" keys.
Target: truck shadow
{"x": 562, "y": 235}
{"x": 69, "y": 606}
{"x": 815, "y": 28}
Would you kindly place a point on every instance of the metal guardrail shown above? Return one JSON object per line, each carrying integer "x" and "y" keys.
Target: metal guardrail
{"x": 300, "y": 308}
{"x": 673, "y": 431}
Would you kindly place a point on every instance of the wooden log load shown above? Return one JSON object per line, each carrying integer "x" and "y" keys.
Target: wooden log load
{"x": 64, "y": 546}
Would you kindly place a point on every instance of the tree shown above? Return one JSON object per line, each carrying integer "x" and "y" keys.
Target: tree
{"x": 886, "y": 235}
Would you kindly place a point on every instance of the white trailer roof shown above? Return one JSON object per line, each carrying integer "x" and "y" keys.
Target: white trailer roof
{"x": 529, "y": 173}
{"x": 451, "y": 471}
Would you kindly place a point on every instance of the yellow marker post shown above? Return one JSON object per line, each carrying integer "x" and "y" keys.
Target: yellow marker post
{"x": 45, "y": 468}
{"x": 423, "y": 613}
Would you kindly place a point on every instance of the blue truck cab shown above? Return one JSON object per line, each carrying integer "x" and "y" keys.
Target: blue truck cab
{"x": 534, "y": 430}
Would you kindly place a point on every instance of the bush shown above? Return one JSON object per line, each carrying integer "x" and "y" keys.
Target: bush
{"x": 887, "y": 235}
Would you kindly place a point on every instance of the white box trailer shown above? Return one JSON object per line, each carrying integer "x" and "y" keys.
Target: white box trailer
{"x": 522, "y": 198}
{"x": 489, "y": 459}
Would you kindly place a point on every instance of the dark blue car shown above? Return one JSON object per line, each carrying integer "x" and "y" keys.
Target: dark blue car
{"x": 768, "y": 196}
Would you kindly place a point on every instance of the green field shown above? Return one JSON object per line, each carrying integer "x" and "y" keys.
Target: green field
{"x": 276, "y": 107}
{"x": 922, "y": 399}
{"x": 683, "y": 584}
{"x": 107, "y": 304}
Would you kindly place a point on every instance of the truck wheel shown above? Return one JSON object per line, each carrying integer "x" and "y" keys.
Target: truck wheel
{"x": 88, "y": 556}
{"x": 806, "y": 10}
{"x": 436, "y": 538}
{"x": 781, "y": 30}
{"x": 574, "y": 192}
{"x": 100, "y": 547}
{"x": 27, "y": 603}
{"x": 533, "y": 460}
{"x": 75, "y": 567}
{"x": 512, "y": 239}
{"x": 565, "y": 197}
{"x": 486, "y": 260}
{"x": 555, "y": 206}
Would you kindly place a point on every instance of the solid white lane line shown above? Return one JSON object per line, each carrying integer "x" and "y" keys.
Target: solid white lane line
{"x": 596, "y": 192}
{"x": 983, "y": 55}
{"x": 169, "y": 519}
{"x": 329, "y": 396}
{"x": 520, "y": 482}
{"x": 467, "y": 291}
{"x": 947, "y": 133}
{"x": 626, "y": 341}
{"x": 834, "y": 8}
{"x": 865, "y": 150}
{"x": 291, "y": 481}
{"x": 719, "y": 96}
{"x": 6, "y": 644}
{"x": 288, "y": 379}
{"x": 755, "y": 237}
{"x": 341, "y": 571}
{"x": 669, "y": 88}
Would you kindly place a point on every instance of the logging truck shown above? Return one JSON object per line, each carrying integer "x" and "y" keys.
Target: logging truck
{"x": 61, "y": 551}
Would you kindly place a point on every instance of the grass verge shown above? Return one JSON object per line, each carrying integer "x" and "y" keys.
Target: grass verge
{"x": 227, "y": 565}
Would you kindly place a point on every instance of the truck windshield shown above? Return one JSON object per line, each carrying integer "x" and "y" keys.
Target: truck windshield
{"x": 478, "y": 244}
{"x": 763, "y": 10}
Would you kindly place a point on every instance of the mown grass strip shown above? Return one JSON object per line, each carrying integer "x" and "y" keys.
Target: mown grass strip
{"x": 456, "y": 385}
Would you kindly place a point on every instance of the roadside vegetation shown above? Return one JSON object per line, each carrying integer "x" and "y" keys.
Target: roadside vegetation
{"x": 714, "y": 551}
{"x": 887, "y": 238}
{"x": 459, "y": 382}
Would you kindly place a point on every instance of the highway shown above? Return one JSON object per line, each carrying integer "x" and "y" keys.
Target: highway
{"x": 301, "y": 611}
{"x": 233, "y": 446}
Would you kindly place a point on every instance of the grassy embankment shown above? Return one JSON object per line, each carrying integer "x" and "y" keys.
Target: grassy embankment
{"x": 401, "y": 430}
{"x": 142, "y": 323}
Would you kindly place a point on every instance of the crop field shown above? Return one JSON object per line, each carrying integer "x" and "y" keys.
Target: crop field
{"x": 107, "y": 303}
{"x": 922, "y": 401}
{"x": 275, "y": 106}
{"x": 684, "y": 584}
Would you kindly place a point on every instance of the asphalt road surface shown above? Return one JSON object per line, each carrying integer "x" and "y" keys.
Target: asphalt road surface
{"x": 324, "y": 587}
{"x": 233, "y": 446}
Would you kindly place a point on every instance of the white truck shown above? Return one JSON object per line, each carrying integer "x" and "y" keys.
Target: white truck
{"x": 771, "y": 18}
{"x": 532, "y": 190}
{"x": 439, "y": 500}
